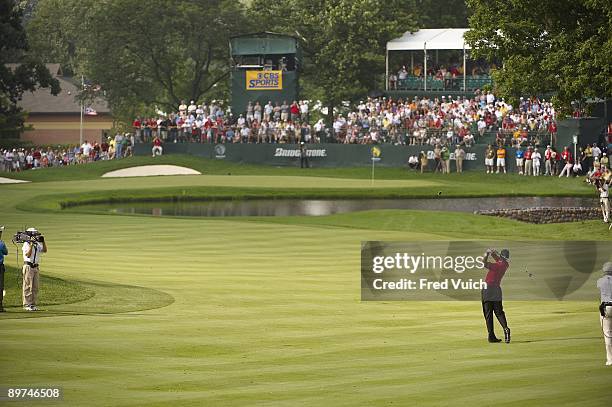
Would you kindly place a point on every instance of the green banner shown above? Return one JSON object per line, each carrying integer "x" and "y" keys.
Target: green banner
{"x": 320, "y": 155}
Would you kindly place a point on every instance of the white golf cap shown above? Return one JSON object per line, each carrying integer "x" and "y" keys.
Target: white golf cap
{"x": 31, "y": 230}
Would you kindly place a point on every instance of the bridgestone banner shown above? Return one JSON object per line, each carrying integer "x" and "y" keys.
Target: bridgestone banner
{"x": 320, "y": 155}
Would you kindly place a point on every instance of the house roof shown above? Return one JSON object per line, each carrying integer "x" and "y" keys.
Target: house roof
{"x": 434, "y": 38}
{"x": 42, "y": 101}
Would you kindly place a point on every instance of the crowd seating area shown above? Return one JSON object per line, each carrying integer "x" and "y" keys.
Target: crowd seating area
{"x": 419, "y": 120}
{"x": 439, "y": 78}
{"x": 22, "y": 159}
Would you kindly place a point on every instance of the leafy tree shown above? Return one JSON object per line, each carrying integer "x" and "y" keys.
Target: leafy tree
{"x": 154, "y": 52}
{"x": 57, "y": 31}
{"x": 28, "y": 75}
{"x": 559, "y": 46}
{"x": 343, "y": 41}
{"x": 442, "y": 13}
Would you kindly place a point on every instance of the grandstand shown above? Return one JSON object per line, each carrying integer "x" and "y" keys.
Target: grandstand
{"x": 439, "y": 62}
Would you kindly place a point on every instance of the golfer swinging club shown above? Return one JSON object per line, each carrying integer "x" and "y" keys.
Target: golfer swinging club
{"x": 605, "y": 309}
{"x": 497, "y": 264}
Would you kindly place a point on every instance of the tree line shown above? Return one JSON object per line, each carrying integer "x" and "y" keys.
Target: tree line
{"x": 158, "y": 52}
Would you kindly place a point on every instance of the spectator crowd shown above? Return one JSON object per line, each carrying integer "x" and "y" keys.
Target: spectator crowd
{"x": 20, "y": 159}
{"x": 417, "y": 121}
{"x": 448, "y": 125}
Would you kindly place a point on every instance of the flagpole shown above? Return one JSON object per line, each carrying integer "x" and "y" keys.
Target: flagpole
{"x": 373, "y": 161}
{"x": 81, "y": 104}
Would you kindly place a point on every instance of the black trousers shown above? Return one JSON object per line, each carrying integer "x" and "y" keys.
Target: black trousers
{"x": 304, "y": 162}
{"x": 1, "y": 283}
{"x": 490, "y": 307}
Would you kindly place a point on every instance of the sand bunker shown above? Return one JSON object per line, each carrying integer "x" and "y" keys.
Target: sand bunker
{"x": 11, "y": 181}
{"x": 151, "y": 170}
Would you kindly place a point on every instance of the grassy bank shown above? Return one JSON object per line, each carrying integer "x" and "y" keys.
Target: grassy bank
{"x": 225, "y": 180}
{"x": 267, "y": 311}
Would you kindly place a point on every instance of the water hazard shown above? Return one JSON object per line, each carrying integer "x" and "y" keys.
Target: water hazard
{"x": 321, "y": 207}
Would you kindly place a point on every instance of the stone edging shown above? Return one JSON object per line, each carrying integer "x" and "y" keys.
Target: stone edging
{"x": 546, "y": 215}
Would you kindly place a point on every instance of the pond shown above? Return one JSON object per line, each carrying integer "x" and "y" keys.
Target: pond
{"x": 320, "y": 207}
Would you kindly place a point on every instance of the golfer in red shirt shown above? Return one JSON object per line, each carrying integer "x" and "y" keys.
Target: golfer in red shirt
{"x": 497, "y": 264}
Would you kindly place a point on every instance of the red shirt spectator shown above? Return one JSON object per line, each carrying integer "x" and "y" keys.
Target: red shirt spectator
{"x": 295, "y": 109}
{"x": 566, "y": 155}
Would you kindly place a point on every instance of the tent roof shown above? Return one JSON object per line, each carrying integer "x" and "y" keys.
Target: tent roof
{"x": 434, "y": 38}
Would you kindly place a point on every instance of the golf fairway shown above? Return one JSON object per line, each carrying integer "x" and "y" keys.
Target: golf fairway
{"x": 267, "y": 312}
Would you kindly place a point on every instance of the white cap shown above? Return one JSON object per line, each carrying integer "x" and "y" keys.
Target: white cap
{"x": 32, "y": 230}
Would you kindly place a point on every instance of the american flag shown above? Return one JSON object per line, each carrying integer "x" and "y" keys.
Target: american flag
{"x": 90, "y": 111}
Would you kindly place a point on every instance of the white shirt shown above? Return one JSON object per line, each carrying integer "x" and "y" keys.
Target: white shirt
{"x": 605, "y": 288}
{"x": 596, "y": 152}
{"x": 36, "y": 252}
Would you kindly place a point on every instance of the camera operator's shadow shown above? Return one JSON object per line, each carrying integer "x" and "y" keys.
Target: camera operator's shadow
{"x": 60, "y": 297}
{"x": 18, "y": 313}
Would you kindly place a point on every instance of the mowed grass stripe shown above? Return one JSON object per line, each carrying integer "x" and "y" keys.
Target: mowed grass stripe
{"x": 269, "y": 314}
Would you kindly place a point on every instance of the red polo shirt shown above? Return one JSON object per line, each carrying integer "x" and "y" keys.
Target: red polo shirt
{"x": 496, "y": 272}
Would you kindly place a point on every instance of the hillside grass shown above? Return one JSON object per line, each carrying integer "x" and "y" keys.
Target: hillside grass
{"x": 267, "y": 311}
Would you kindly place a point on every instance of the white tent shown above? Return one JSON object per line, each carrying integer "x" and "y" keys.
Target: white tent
{"x": 434, "y": 38}
{"x": 429, "y": 39}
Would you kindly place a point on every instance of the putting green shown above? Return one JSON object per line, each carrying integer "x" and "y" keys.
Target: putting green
{"x": 268, "y": 312}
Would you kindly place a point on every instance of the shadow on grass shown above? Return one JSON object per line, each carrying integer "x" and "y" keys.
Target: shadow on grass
{"x": 59, "y": 297}
{"x": 588, "y": 338}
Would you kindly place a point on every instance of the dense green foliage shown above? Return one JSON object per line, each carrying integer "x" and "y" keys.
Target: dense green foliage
{"x": 343, "y": 40}
{"x": 153, "y": 53}
{"x": 560, "y": 46}
{"x": 29, "y": 75}
{"x": 442, "y": 13}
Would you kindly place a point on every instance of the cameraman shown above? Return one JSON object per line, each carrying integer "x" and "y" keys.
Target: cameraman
{"x": 3, "y": 252}
{"x": 605, "y": 309}
{"x": 32, "y": 251}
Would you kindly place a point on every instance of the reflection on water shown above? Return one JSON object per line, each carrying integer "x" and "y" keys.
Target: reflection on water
{"x": 316, "y": 207}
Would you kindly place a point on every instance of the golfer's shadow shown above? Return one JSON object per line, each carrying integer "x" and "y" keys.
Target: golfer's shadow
{"x": 558, "y": 339}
